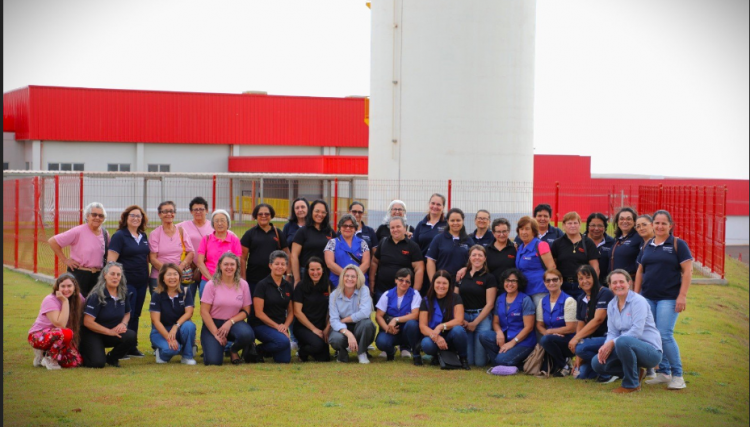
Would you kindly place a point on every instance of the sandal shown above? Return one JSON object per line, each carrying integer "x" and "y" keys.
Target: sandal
{"x": 237, "y": 361}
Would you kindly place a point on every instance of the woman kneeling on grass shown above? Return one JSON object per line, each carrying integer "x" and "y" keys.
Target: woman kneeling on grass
{"x": 440, "y": 318}
{"x": 397, "y": 314}
{"x": 512, "y": 338}
{"x": 350, "y": 307}
{"x": 172, "y": 331}
{"x": 633, "y": 341}
{"x": 225, "y": 303}
{"x": 54, "y": 335}
{"x": 106, "y": 318}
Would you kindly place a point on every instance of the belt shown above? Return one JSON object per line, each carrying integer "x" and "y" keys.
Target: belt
{"x": 479, "y": 310}
{"x": 89, "y": 269}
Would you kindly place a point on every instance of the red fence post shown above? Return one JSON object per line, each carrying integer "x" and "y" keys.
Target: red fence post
{"x": 557, "y": 202}
{"x": 80, "y": 198}
{"x": 661, "y": 197}
{"x": 57, "y": 220}
{"x": 335, "y": 203}
{"x": 253, "y": 206}
{"x": 704, "y": 238}
{"x": 715, "y": 223}
{"x": 724, "y": 235}
{"x": 36, "y": 223}
{"x": 450, "y": 193}
{"x": 17, "y": 216}
{"x": 213, "y": 192}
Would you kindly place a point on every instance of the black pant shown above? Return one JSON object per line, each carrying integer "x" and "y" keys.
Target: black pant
{"x": 86, "y": 280}
{"x": 311, "y": 344}
{"x": 93, "y": 344}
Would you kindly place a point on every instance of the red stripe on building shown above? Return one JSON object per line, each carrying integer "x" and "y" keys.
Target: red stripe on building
{"x": 342, "y": 165}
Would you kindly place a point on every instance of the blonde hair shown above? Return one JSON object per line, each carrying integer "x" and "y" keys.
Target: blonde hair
{"x": 216, "y": 278}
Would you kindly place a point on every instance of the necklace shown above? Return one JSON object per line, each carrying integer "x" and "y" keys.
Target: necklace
{"x": 575, "y": 245}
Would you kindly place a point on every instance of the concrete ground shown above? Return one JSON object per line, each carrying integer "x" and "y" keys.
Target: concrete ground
{"x": 736, "y": 251}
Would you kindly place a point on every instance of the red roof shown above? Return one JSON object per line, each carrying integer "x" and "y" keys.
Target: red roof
{"x": 110, "y": 115}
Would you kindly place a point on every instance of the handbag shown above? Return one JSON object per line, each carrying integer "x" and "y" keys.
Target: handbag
{"x": 538, "y": 363}
{"x": 187, "y": 274}
{"x": 448, "y": 360}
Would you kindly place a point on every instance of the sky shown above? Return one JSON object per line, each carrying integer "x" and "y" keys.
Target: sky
{"x": 648, "y": 87}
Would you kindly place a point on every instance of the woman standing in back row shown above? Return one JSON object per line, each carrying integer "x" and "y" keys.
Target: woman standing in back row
{"x": 627, "y": 242}
{"x": 197, "y": 229}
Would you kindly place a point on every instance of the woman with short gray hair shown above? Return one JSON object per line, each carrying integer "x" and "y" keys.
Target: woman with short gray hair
{"x": 88, "y": 247}
{"x": 347, "y": 248}
{"x": 215, "y": 244}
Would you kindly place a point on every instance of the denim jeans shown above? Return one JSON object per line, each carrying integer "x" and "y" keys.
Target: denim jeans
{"x": 213, "y": 352}
{"x": 665, "y": 318}
{"x": 273, "y": 342}
{"x": 474, "y": 350}
{"x": 513, "y": 357}
{"x": 137, "y": 297}
{"x": 201, "y": 286}
{"x": 152, "y": 282}
{"x": 407, "y": 337}
{"x": 628, "y": 355}
{"x": 572, "y": 289}
{"x": 194, "y": 288}
{"x": 456, "y": 339}
{"x": 587, "y": 349}
{"x": 185, "y": 338}
{"x": 557, "y": 349}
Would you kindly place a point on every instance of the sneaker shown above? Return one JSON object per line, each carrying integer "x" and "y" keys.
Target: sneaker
{"x": 135, "y": 353}
{"x": 38, "y": 356}
{"x": 605, "y": 380}
{"x": 158, "y": 358}
{"x": 51, "y": 364}
{"x": 371, "y": 347}
{"x": 405, "y": 353}
{"x": 187, "y": 361}
{"x": 125, "y": 357}
{"x": 383, "y": 355}
{"x": 660, "y": 379}
{"x": 363, "y": 358}
{"x": 651, "y": 373}
{"x": 677, "y": 383}
{"x": 343, "y": 356}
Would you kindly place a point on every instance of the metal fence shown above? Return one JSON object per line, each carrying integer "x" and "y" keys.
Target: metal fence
{"x": 40, "y": 204}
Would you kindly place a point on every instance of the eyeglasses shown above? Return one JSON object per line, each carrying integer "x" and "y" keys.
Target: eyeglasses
{"x": 511, "y": 281}
{"x": 398, "y": 210}
{"x": 167, "y": 212}
{"x": 347, "y": 226}
{"x": 96, "y": 215}
{"x": 197, "y": 210}
{"x": 403, "y": 280}
{"x": 320, "y": 212}
{"x": 482, "y": 219}
{"x": 552, "y": 280}
{"x": 353, "y": 212}
{"x": 264, "y": 214}
{"x": 502, "y": 232}
{"x": 135, "y": 216}
{"x": 220, "y": 221}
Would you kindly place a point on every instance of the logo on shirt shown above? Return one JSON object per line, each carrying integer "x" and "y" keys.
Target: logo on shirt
{"x": 325, "y": 294}
{"x": 515, "y": 314}
{"x": 405, "y": 252}
{"x": 560, "y": 318}
{"x": 627, "y": 242}
{"x": 511, "y": 256}
{"x": 239, "y": 298}
{"x": 463, "y": 246}
{"x": 667, "y": 249}
{"x": 581, "y": 250}
{"x": 441, "y": 228}
{"x": 480, "y": 283}
{"x": 287, "y": 293}
{"x": 276, "y": 239}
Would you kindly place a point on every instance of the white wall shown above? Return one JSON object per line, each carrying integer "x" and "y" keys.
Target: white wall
{"x": 13, "y": 152}
{"x": 189, "y": 157}
{"x": 279, "y": 150}
{"x": 738, "y": 230}
{"x": 94, "y": 155}
{"x": 353, "y": 151}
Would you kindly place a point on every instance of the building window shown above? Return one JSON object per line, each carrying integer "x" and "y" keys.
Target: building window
{"x": 78, "y": 167}
{"x": 118, "y": 167}
{"x": 158, "y": 168}
{"x": 6, "y": 166}
{"x": 28, "y": 166}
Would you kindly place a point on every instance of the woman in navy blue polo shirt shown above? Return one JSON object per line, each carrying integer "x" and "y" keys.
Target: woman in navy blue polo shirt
{"x": 644, "y": 225}
{"x": 440, "y": 318}
{"x": 627, "y": 242}
{"x": 273, "y": 311}
{"x": 432, "y": 224}
{"x": 665, "y": 267}
{"x": 596, "y": 230}
{"x": 556, "y": 322}
{"x": 172, "y": 331}
{"x": 512, "y": 338}
{"x": 478, "y": 290}
{"x": 449, "y": 250}
{"x": 311, "y": 325}
{"x": 129, "y": 246}
{"x": 297, "y": 218}
{"x": 105, "y": 320}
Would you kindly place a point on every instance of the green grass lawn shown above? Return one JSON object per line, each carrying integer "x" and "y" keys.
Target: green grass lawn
{"x": 712, "y": 333}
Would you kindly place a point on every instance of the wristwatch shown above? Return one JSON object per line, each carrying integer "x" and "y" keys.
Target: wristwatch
{"x": 397, "y": 320}
{"x": 515, "y": 339}
{"x": 444, "y": 329}
{"x": 177, "y": 324}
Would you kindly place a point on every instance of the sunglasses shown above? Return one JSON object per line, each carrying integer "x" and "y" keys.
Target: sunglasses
{"x": 96, "y": 215}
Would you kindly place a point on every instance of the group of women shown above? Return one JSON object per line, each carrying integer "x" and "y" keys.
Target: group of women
{"x": 598, "y": 307}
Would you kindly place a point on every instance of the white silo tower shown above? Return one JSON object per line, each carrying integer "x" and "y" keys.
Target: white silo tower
{"x": 452, "y": 98}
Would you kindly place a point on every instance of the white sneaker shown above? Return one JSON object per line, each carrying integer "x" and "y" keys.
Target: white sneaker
{"x": 371, "y": 347}
{"x": 677, "y": 383}
{"x": 363, "y": 358}
{"x": 50, "y": 363}
{"x": 38, "y": 356}
{"x": 650, "y": 373}
{"x": 187, "y": 361}
{"x": 294, "y": 346}
{"x": 405, "y": 353}
{"x": 660, "y": 379}
{"x": 383, "y": 355}
{"x": 158, "y": 359}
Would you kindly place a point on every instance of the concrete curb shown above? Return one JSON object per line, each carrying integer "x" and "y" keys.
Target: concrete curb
{"x": 36, "y": 276}
{"x": 717, "y": 282}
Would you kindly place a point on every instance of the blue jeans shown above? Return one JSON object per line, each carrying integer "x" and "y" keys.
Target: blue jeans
{"x": 213, "y": 352}
{"x": 513, "y": 357}
{"x": 557, "y": 349}
{"x": 137, "y": 296}
{"x": 194, "y": 288}
{"x": 572, "y": 289}
{"x": 629, "y": 354}
{"x": 665, "y": 318}
{"x": 185, "y": 338}
{"x": 474, "y": 349}
{"x": 407, "y": 337}
{"x": 456, "y": 339}
{"x": 273, "y": 342}
{"x": 587, "y": 349}
{"x": 152, "y": 282}
{"x": 201, "y": 286}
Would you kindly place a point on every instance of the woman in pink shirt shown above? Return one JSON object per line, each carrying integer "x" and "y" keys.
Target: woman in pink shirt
{"x": 87, "y": 243}
{"x": 215, "y": 245}
{"x": 225, "y": 305}
{"x": 198, "y": 228}
{"x": 167, "y": 243}
{"x": 54, "y": 335}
